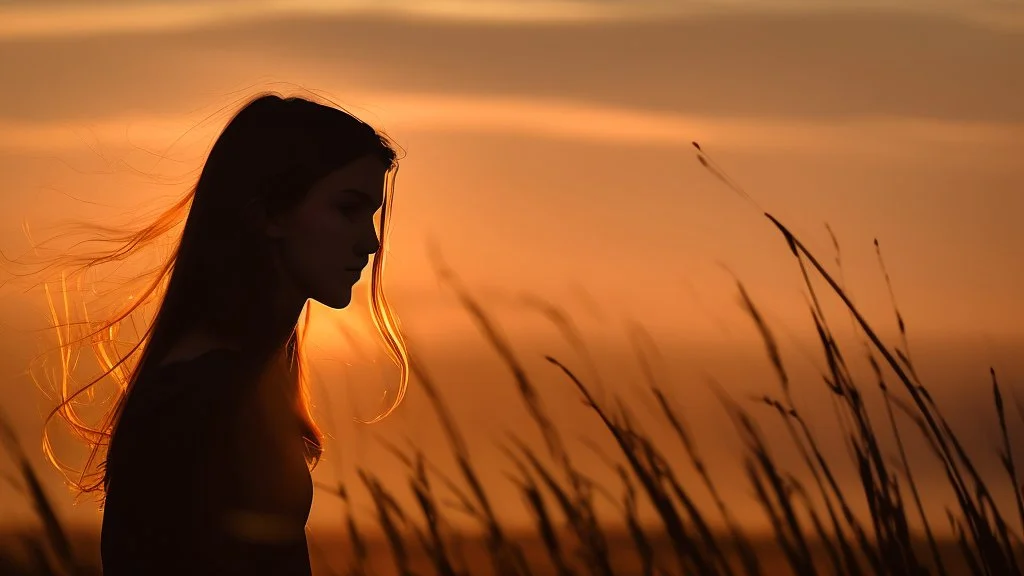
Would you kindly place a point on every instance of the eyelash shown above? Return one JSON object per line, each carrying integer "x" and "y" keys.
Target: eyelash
{"x": 355, "y": 205}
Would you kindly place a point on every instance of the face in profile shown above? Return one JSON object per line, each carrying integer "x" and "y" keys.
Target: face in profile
{"x": 326, "y": 241}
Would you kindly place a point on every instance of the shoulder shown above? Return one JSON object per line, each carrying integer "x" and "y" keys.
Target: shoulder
{"x": 169, "y": 411}
{"x": 188, "y": 394}
{"x": 207, "y": 377}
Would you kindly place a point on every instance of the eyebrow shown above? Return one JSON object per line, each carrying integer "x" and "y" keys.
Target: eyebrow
{"x": 356, "y": 191}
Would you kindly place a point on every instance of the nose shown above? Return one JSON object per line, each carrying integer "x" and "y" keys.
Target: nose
{"x": 368, "y": 242}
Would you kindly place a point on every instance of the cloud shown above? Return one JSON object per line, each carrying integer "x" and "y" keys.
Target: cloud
{"x": 399, "y": 112}
{"x": 44, "y": 19}
{"x": 20, "y": 20}
{"x": 731, "y": 65}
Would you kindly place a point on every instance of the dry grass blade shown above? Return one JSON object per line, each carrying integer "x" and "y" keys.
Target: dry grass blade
{"x": 904, "y": 355}
{"x": 577, "y": 511}
{"x": 570, "y": 332}
{"x": 56, "y": 536}
{"x": 506, "y": 556}
{"x": 434, "y": 544}
{"x": 789, "y": 415}
{"x": 748, "y": 557}
{"x": 1007, "y": 451}
{"x": 766, "y": 336}
{"x": 493, "y": 335}
{"x": 545, "y": 525}
{"x": 388, "y": 512}
{"x": 686, "y": 554}
{"x": 644, "y": 549}
{"x": 932, "y": 545}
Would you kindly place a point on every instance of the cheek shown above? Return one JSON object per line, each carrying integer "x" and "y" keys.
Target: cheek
{"x": 319, "y": 253}
{"x": 328, "y": 234}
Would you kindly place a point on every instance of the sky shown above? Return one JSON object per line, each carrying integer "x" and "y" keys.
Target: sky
{"x": 548, "y": 152}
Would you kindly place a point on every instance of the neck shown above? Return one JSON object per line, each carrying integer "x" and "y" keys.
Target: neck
{"x": 264, "y": 305}
{"x": 262, "y": 328}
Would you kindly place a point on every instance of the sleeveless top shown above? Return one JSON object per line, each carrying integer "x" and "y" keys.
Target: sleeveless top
{"x": 207, "y": 476}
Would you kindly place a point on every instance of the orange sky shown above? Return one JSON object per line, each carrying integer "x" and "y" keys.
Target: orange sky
{"x": 548, "y": 152}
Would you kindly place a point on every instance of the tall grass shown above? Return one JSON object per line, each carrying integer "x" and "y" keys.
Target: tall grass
{"x": 826, "y": 538}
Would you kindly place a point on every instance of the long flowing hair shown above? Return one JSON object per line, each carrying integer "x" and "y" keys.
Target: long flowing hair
{"x": 272, "y": 150}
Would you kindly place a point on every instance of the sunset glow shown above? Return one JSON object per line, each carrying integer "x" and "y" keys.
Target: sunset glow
{"x": 549, "y": 156}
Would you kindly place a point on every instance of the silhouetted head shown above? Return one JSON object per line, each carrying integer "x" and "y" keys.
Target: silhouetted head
{"x": 284, "y": 211}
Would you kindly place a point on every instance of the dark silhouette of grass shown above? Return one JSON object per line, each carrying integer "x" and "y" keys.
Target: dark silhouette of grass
{"x": 812, "y": 539}
{"x": 54, "y": 554}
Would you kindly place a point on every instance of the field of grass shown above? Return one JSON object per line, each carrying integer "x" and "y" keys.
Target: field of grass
{"x": 895, "y": 537}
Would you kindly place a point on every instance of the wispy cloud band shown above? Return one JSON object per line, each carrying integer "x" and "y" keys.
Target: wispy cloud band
{"x": 549, "y": 118}
{"x": 29, "y": 20}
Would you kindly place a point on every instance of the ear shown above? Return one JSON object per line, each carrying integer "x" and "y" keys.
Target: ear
{"x": 255, "y": 218}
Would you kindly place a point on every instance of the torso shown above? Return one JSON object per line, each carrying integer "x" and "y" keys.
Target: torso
{"x": 274, "y": 443}
{"x": 274, "y": 431}
{"x": 272, "y": 478}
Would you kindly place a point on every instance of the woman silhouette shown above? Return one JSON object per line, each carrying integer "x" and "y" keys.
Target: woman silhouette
{"x": 209, "y": 449}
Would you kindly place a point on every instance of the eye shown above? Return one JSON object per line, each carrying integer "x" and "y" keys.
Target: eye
{"x": 348, "y": 203}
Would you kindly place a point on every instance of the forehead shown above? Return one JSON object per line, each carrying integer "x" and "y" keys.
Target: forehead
{"x": 365, "y": 174}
